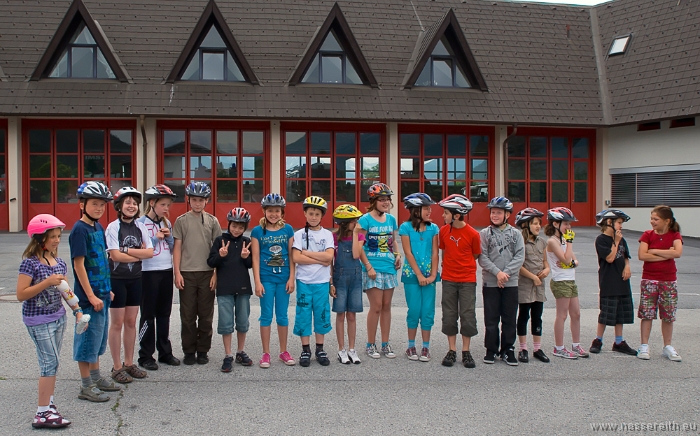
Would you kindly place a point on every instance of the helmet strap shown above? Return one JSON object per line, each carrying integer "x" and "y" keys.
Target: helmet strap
{"x": 89, "y": 217}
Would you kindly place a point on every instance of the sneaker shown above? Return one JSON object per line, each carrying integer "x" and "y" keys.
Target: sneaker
{"x": 228, "y": 364}
{"x": 468, "y": 360}
{"x": 372, "y": 351}
{"x": 566, "y": 354}
{"x": 450, "y": 358}
{"x": 243, "y": 359}
{"x": 643, "y": 353}
{"x": 424, "y": 355}
{"x": 287, "y": 359}
{"x": 169, "y": 360}
{"x": 354, "y": 358}
{"x": 388, "y": 352}
{"x": 411, "y": 353}
{"x": 189, "y": 359}
{"x": 305, "y": 359}
{"x": 671, "y": 353}
{"x": 49, "y": 419}
{"x": 622, "y": 347}
{"x": 490, "y": 357}
{"x": 150, "y": 365}
{"x": 322, "y": 357}
{"x": 93, "y": 393}
{"x": 265, "y": 360}
{"x": 539, "y": 355}
{"x": 522, "y": 356}
{"x": 202, "y": 358}
{"x": 509, "y": 357}
{"x": 597, "y": 345}
{"x": 107, "y": 385}
{"x": 343, "y": 357}
{"x": 580, "y": 352}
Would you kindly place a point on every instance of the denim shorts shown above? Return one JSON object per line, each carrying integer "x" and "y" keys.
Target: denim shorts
{"x": 48, "y": 338}
{"x": 348, "y": 292}
{"x": 89, "y": 346}
{"x": 233, "y": 307}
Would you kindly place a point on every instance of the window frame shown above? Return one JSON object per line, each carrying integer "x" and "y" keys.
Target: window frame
{"x": 201, "y": 50}
{"x": 68, "y": 52}
{"x": 430, "y": 64}
{"x": 318, "y": 58}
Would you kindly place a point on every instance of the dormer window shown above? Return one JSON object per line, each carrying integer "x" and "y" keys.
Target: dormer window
{"x": 82, "y": 59}
{"x": 331, "y": 65}
{"x": 213, "y": 61}
{"x": 443, "y": 69}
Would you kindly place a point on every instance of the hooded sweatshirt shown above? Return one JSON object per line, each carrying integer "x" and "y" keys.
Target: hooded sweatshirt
{"x": 501, "y": 250}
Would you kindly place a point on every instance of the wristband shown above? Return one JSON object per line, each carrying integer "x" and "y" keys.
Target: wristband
{"x": 76, "y": 311}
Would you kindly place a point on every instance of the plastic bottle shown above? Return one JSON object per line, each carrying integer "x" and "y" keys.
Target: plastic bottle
{"x": 82, "y": 325}
{"x": 67, "y": 293}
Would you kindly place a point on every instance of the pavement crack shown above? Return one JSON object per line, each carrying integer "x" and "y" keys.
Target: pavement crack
{"x": 117, "y": 413}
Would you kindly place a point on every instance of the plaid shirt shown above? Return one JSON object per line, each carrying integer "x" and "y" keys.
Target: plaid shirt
{"x": 49, "y": 301}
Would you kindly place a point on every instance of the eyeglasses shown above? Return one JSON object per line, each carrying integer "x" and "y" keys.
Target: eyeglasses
{"x": 383, "y": 200}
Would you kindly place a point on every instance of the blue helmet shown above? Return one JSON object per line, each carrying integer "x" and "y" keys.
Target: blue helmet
{"x": 500, "y": 203}
{"x": 94, "y": 189}
{"x": 273, "y": 199}
{"x": 419, "y": 199}
{"x": 198, "y": 189}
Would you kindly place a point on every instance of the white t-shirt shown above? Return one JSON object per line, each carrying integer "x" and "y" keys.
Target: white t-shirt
{"x": 319, "y": 240}
{"x": 162, "y": 254}
{"x": 130, "y": 235}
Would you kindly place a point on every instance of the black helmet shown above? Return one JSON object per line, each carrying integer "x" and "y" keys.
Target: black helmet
{"x": 500, "y": 203}
{"x": 610, "y": 213}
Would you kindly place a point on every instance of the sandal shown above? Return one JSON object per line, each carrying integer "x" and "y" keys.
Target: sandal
{"x": 120, "y": 376}
{"x": 135, "y": 371}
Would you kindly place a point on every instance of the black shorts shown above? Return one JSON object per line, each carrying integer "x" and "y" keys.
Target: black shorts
{"x": 616, "y": 310}
{"x": 127, "y": 292}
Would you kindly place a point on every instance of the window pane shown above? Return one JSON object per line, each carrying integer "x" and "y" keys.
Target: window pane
{"x": 410, "y": 168}
{"x": 516, "y": 191}
{"x": 200, "y": 141}
{"x": 296, "y": 143}
{"x": 93, "y": 141}
{"x": 351, "y": 75}
{"x": 538, "y": 169}
{"x": 67, "y": 165}
{"x": 410, "y": 144}
{"x": 560, "y": 170}
{"x": 200, "y": 167}
{"x": 434, "y": 189}
{"x": 478, "y": 192}
{"x": 82, "y": 62}
{"x": 93, "y": 166}
{"x": 580, "y": 148}
{"x": 432, "y": 169}
{"x": 370, "y": 167}
{"x": 192, "y": 71}
{"x": 226, "y": 166}
{"x": 331, "y": 43}
{"x": 296, "y": 191}
{"x": 560, "y": 147}
{"x": 320, "y": 167}
{"x": 538, "y": 192}
{"x": 296, "y": 167}
{"x": 120, "y": 141}
{"x": 480, "y": 169}
{"x": 39, "y": 166}
{"x": 66, "y": 191}
{"x": 345, "y": 191}
{"x": 39, "y": 141}
{"x": 369, "y": 144}
{"x": 479, "y": 145}
{"x": 432, "y": 145}
{"x": 322, "y": 188}
{"x": 442, "y": 72}
{"x": 441, "y": 48}
{"x": 120, "y": 166}
{"x": 456, "y": 169}
{"x": 456, "y": 145}
{"x": 253, "y": 167}
{"x": 424, "y": 78}
{"x": 331, "y": 69}
{"x": 40, "y": 191}
{"x": 61, "y": 68}
{"x": 233, "y": 73}
{"x": 213, "y": 39}
{"x": 454, "y": 188}
{"x": 174, "y": 167}
{"x": 580, "y": 192}
{"x": 516, "y": 146}
{"x": 320, "y": 143}
{"x": 538, "y": 146}
{"x": 581, "y": 170}
{"x": 178, "y": 187}
{"x": 174, "y": 141}
{"x": 212, "y": 66}
{"x": 253, "y": 191}
{"x": 345, "y": 143}
{"x": 226, "y": 142}
{"x": 227, "y": 191}
{"x": 560, "y": 192}
{"x": 66, "y": 141}
{"x": 461, "y": 78}
{"x": 312, "y": 73}
{"x": 345, "y": 167}
{"x": 365, "y": 184}
{"x": 253, "y": 143}
{"x": 104, "y": 71}
{"x": 407, "y": 187}
{"x": 516, "y": 169}
{"x": 83, "y": 37}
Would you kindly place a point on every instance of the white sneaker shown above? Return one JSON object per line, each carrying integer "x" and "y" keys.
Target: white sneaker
{"x": 388, "y": 351}
{"x": 671, "y": 353}
{"x": 352, "y": 355}
{"x": 643, "y": 353}
{"x": 343, "y": 357}
{"x": 372, "y": 351}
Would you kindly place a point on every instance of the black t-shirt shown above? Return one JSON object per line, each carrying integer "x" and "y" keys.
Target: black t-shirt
{"x": 121, "y": 234}
{"x": 610, "y": 274}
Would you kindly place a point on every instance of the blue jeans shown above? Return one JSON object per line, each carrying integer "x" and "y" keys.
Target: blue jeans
{"x": 421, "y": 305}
{"x": 275, "y": 296}
{"x": 48, "y": 339}
{"x": 89, "y": 346}
{"x": 230, "y": 307}
{"x": 312, "y": 299}
{"x": 348, "y": 291}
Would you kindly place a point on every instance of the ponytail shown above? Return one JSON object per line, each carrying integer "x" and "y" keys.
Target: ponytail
{"x": 666, "y": 213}
{"x": 550, "y": 230}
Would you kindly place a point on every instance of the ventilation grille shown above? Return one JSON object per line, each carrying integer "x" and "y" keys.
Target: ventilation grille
{"x": 672, "y": 188}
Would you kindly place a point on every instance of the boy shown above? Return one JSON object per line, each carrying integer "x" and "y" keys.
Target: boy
{"x": 88, "y": 248}
{"x": 460, "y": 247}
{"x": 502, "y": 255}
{"x": 230, "y": 255}
{"x": 313, "y": 250}
{"x": 194, "y": 234}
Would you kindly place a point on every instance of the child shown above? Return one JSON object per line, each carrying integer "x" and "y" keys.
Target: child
{"x": 233, "y": 292}
{"x": 194, "y": 234}
{"x": 88, "y": 250}
{"x": 419, "y": 238}
{"x": 313, "y": 254}
{"x": 562, "y": 261}
{"x": 346, "y": 283}
{"x": 461, "y": 246}
{"x": 379, "y": 272}
{"x": 502, "y": 256}
{"x": 157, "y": 281}
{"x": 616, "y": 306}
{"x": 658, "y": 249}
{"x": 531, "y": 296}
{"x": 127, "y": 243}
{"x": 273, "y": 273}
{"x": 42, "y": 309}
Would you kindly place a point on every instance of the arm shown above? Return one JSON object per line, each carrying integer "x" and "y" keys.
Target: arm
{"x": 140, "y": 253}
{"x": 291, "y": 282}
{"x": 255, "y": 255}
{"x": 214, "y": 260}
{"x": 627, "y": 272}
{"x": 397, "y": 255}
{"x": 25, "y": 291}
{"x": 672, "y": 253}
{"x": 321, "y": 257}
{"x": 525, "y": 273}
{"x": 434, "y": 261}
{"x": 177, "y": 255}
{"x": 118, "y": 256}
{"x": 645, "y": 256}
{"x": 484, "y": 261}
{"x": 518, "y": 257}
{"x": 563, "y": 257}
{"x": 81, "y": 273}
{"x": 545, "y": 268}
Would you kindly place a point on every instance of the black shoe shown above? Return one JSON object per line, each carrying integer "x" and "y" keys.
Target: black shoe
{"x": 450, "y": 358}
{"x": 322, "y": 357}
{"x": 522, "y": 356}
{"x": 509, "y": 357}
{"x": 622, "y": 347}
{"x": 468, "y": 360}
{"x": 539, "y": 355}
{"x": 150, "y": 365}
{"x": 243, "y": 359}
{"x": 597, "y": 345}
{"x": 228, "y": 364}
{"x": 490, "y": 357}
{"x": 202, "y": 358}
{"x": 305, "y": 359}
{"x": 170, "y": 360}
{"x": 189, "y": 359}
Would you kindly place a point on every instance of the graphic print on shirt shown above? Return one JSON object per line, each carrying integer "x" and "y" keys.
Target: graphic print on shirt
{"x": 379, "y": 243}
{"x": 455, "y": 240}
{"x": 506, "y": 241}
{"x": 97, "y": 264}
{"x": 620, "y": 252}
{"x": 309, "y": 241}
{"x": 275, "y": 247}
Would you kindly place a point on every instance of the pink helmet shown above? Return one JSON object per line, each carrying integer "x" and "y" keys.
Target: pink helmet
{"x": 42, "y": 223}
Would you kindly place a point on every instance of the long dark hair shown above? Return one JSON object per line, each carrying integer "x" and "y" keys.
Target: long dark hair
{"x": 525, "y": 228}
{"x": 416, "y": 218}
{"x": 550, "y": 230}
{"x": 666, "y": 213}
{"x": 343, "y": 230}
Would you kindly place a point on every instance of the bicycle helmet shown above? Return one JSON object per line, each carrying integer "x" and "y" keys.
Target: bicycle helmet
{"x": 379, "y": 189}
{"x": 500, "y": 203}
{"x": 238, "y": 215}
{"x": 198, "y": 189}
{"x": 603, "y": 215}
{"x": 41, "y": 224}
{"x": 560, "y": 214}
{"x": 456, "y": 203}
{"x": 273, "y": 199}
{"x": 419, "y": 199}
{"x": 346, "y": 213}
{"x": 158, "y": 191}
{"x": 94, "y": 189}
{"x": 526, "y": 215}
{"x": 315, "y": 201}
{"x": 122, "y": 193}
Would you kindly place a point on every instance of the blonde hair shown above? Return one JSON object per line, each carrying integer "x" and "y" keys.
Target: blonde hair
{"x": 34, "y": 248}
{"x": 148, "y": 209}
{"x": 280, "y": 224}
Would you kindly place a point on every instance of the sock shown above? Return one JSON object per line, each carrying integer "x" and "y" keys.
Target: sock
{"x": 644, "y": 346}
{"x": 41, "y": 409}
{"x": 558, "y": 347}
{"x": 600, "y": 338}
{"x": 319, "y": 347}
{"x": 95, "y": 374}
{"x": 351, "y": 350}
{"x": 523, "y": 346}
{"x": 51, "y": 401}
{"x": 306, "y": 348}
{"x": 369, "y": 344}
{"x": 575, "y": 344}
{"x": 86, "y": 381}
{"x": 618, "y": 339}
{"x": 229, "y": 355}
{"x": 536, "y": 346}
{"x": 411, "y": 343}
{"x": 384, "y": 344}
{"x": 426, "y": 344}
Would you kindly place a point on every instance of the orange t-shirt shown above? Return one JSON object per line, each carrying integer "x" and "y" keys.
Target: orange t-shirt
{"x": 458, "y": 249}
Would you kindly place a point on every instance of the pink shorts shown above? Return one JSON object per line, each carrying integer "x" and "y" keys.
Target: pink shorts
{"x": 658, "y": 295}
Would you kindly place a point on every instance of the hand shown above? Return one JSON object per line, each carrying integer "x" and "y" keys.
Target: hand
{"x": 537, "y": 281}
{"x": 332, "y": 291}
{"x": 291, "y": 283}
{"x": 371, "y": 273}
{"x": 160, "y": 235}
{"x": 223, "y": 251}
{"x": 431, "y": 279}
{"x": 421, "y": 279}
{"x": 502, "y": 279}
{"x": 96, "y": 302}
{"x": 212, "y": 282}
{"x": 245, "y": 251}
{"x": 626, "y": 273}
{"x": 111, "y": 296}
{"x": 165, "y": 231}
{"x": 397, "y": 262}
{"x": 54, "y": 279}
{"x": 78, "y": 316}
{"x": 569, "y": 236}
{"x": 179, "y": 281}
{"x": 618, "y": 236}
{"x": 259, "y": 289}
{"x": 542, "y": 274}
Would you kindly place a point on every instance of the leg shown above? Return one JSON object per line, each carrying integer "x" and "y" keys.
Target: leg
{"x": 450, "y": 312}
{"x": 523, "y": 318}
{"x": 205, "y": 312}
{"x": 668, "y": 303}
{"x": 562, "y": 312}
{"x": 224, "y": 326}
{"x": 536, "y": 310}
{"x": 130, "y": 314}
{"x": 47, "y": 385}
{"x": 667, "y": 332}
{"x": 509, "y": 312}
{"x": 385, "y": 315}
{"x": 575, "y": 323}
{"x": 645, "y": 330}
{"x": 492, "y": 303}
{"x": 267, "y": 304}
{"x": 188, "y": 313}
{"x": 427, "y": 317}
{"x": 227, "y": 343}
{"x": 413, "y": 302}
{"x": 467, "y": 313}
{"x": 374, "y": 295}
{"x": 304, "y": 310}
{"x": 281, "y": 310}
{"x": 242, "y": 317}
{"x": 618, "y": 329}
{"x": 340, "y": 329}
{"x": 149, "y": 305}
{"x": 352, "y": 328}
{"x": 163, "y": 310}
{"x": 115, "y": 336}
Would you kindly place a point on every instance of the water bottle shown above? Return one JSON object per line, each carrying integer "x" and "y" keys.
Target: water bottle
{"x": 82, "y": 325}
{"x": 67, "y": 293}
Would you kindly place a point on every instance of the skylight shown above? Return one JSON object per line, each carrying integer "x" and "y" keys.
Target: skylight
{"x": 619, "y": 45}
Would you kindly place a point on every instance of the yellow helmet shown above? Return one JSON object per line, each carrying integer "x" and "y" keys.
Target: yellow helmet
{"x": 346, "y": 212}
{"x": 315, "y": 201}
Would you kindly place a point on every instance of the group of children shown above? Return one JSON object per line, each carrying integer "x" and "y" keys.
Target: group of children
{"x": 133, "y": 264}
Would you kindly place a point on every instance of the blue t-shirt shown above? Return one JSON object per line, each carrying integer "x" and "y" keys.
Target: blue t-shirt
{"x": 422, "y": 249}
{"x": 274, "y": 253}
{"x": 89, "y": 241}
{"x": 379, "y": 242}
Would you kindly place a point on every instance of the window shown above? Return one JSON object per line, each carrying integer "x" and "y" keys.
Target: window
{"x": 331, "y": 64}
{"x": 619, "y": 45}
{"x": 683, "y": 122}
{"x": 442, "y": 68}
{"x": 650, "y": 187}
{"x": 213, "y": 61}
{"x": 82, "y": 59}
{"x": 643, "y": 127}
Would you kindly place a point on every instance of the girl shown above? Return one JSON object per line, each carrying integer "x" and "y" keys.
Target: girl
{"x": 274, "y": 274}
{"x": 40, "y": 272}
{"x": 127, "y": 243}
{"x": 379, "y": 272}
{"x": 346, "y": 283}
{"x": 157, "y": 281}
{"x": 419, "y": 238}
{"x": 531, "y": 296}
{"x": 658, "y": 249}
{"x": 561, "y": 257}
